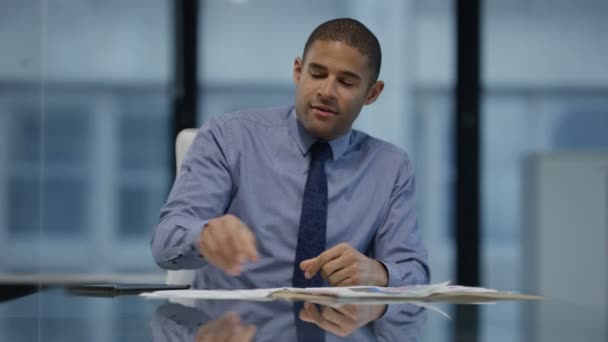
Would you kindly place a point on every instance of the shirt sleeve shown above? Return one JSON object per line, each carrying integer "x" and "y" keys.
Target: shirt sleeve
{"x": 201, "y": 192}
{"x": 398, "y": 242}
{"x": 176, "y": 322}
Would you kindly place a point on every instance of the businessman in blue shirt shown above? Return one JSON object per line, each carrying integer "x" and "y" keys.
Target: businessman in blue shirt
{"x": 293, "y": 196}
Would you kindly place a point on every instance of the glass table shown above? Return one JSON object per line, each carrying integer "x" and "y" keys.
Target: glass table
{"x": 28, "y": 313}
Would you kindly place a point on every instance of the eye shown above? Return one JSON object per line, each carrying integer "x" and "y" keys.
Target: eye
{"x": 316, "y": 74}
{"x": 347, "y": 83}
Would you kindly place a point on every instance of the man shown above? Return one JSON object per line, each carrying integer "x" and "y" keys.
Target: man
{"x": 294, "y": 196}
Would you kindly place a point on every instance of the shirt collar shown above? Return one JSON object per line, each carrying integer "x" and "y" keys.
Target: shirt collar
{"x": 304, "y": 139}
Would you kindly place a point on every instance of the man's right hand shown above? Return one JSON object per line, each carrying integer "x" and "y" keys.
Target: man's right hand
{"x": 227, "y": 328}
{"x": 226, "y": 242}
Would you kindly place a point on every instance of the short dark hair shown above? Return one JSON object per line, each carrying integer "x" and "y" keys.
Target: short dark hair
{"x": 354, "y": 34}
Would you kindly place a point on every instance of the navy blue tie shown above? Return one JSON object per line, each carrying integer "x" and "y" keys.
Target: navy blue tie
{"x": 313, "y": 219}
{"x": 312, "y": 233}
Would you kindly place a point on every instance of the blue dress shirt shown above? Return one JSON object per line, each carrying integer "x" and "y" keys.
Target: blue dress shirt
{"x": 253, "y": 164}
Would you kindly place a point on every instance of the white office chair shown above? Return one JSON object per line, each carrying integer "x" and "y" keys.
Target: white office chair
{"x": 182, "y": 143}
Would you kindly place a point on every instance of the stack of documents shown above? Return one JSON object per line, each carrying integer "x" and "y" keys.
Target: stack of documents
{"x": 442, "y": 292}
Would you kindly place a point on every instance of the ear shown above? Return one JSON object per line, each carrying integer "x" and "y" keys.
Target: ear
{"x": 297, "y": 69}
{"x": 374, "y": 92}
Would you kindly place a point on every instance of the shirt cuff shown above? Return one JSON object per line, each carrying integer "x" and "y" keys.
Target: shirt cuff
{"x": 391, "y": 310}
{"x": 393, "y": 281}
{"x": 180, "y": 250}
{"x": 194, "y": 229}
{"x": 392, "y": 272}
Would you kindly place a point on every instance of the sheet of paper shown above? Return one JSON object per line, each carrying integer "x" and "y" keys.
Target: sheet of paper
{"x": 415, "y": 291}
{"x": 434, "y": 292}
{"x": 463, "y": 289}
{"x": 342, "y": 292}
{"x": 255, "y": 294}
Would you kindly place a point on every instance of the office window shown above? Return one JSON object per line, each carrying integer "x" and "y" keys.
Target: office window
{"x": 24, "y": 208}
{"x": 545, "y": 89}
{"x": 85, "y": 115}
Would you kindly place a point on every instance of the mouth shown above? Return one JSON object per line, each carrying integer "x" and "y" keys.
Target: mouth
{"x": 323, "y": 111}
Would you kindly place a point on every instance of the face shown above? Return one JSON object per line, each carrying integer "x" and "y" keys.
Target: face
{"x": 333, "y": 83}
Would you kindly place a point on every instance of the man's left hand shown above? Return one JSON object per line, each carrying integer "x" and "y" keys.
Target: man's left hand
{"x": 342, "y": 265}
{"x": 341, "y": 321}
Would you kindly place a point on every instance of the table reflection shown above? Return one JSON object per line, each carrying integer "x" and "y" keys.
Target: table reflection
{"x": 272, "y": 321}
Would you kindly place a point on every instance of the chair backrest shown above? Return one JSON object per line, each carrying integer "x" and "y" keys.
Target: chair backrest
{"x": 182, "y": 144}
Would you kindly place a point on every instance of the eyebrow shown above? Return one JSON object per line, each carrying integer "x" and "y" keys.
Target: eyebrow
{"x": 317, "y": 66}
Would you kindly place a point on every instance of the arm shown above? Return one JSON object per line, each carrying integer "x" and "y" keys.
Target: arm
{"x": 201, "y": 192}
{"x": 397, "y": 243}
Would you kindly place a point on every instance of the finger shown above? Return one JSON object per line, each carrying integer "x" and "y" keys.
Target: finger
{"x": 207, "y": 242}
{"x": 226, "y": 253}
{"x": 347, "y": 282}
{"x": 248, "y": 244}
{"x": 334, "y": 316}
{"x": 245, "y": 334}
{"x": 232, "y": 325}
{"x": 334, "y": 266}
{"x": 322, "y": 259}
{"x": 224, "y": 265}
{"x": 212, "y": 253}
{"x": 351, "y": 311}
{"x": 244, "y": 237}
{"x": 304, "y": 316}
{"x": 312, "y": 269}
{"x": 311, "y": 311}
{"x": 340, "y": 276}
{"x": 321, "y": 322}
{"x": 242, "y": 246}
{"x": 250, "y": 331}
{"x": 219, "y": 328}
{"x": 304, "y": 264}
{"x": 231, "y": 319}
{"x": 235, "y": 256}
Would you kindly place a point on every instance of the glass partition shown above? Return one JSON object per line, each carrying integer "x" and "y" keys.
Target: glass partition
{"x": 545, "y": 93}
{"x": 85, "y": 111}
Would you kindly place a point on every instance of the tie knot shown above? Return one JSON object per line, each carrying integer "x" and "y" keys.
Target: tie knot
{"x": 320, "y": 151}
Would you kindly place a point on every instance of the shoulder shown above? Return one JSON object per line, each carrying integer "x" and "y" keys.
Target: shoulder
{"x": 275, "y": 116}
{"x": 242, "y": 129}
{"x": 388, "y": 161}
{"x": 378, "y": 149}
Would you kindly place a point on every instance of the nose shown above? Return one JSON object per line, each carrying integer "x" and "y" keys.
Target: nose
{"x": 327, "y": 89}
